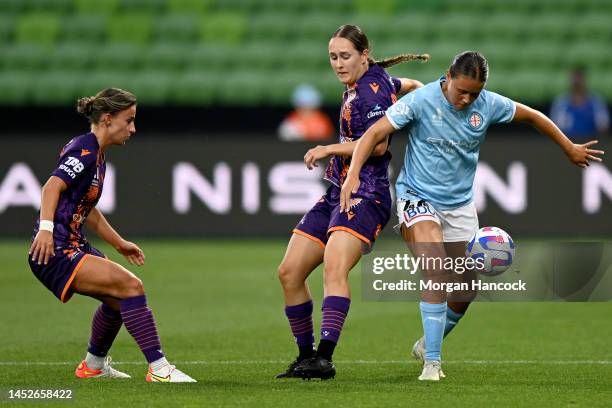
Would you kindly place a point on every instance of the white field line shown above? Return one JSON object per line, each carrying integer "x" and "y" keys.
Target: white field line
{"x": 347, "y": 362}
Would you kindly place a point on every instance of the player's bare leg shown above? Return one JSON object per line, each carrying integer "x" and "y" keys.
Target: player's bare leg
{"x": 342, "y": 253}
{"x": 103, "y": 279}
{"x": 303, "y": 255}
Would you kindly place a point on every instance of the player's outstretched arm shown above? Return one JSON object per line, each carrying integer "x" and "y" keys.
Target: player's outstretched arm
{"x": 339, "y": 149}
{"x": 579, "y": 154}
{"x": 377, "y": 133}
{"x": 98, "y": 223}
{"x": 409, "y": 85}
{"x": 42, "y": 246}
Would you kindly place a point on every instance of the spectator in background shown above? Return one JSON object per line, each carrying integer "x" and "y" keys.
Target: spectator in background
{"x": 581, "y": 114}
{"x": 306, "y": 122}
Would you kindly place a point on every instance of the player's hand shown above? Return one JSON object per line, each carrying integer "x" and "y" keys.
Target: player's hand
{"x": 314, "y": 154}
{"x": 581, "y": 155}
{"x": 42, "y": 247}
{"x": 349, "y": 187}
{"x": 131, "y": 252}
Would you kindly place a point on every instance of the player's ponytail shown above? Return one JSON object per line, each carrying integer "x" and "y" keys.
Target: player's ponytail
{"x": 398, "y": 59}
{"x": 355, "y": 35}
{"x": 85, "y": 105}
{"x": 470, "y": 64}
{"x": 109, "y": 100}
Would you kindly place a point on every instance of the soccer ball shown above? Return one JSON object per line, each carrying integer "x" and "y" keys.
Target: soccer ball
{"x": 493, "y": 250}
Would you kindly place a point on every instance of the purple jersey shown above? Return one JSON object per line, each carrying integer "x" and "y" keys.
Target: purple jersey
{"x": 81, "y": 166}
{"x": 363, "y": 104}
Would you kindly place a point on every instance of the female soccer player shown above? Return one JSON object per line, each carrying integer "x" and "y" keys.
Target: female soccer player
{"x": 326, "y": 235}
{"x": 448, "y": 120}
{"x": 63, "y": 260}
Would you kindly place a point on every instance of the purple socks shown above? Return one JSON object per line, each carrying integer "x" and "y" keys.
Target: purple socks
{"x": 335, "y": 309}
{"x": 300, "y": 320}
{"x": 104, "y": 328}
{"x": 140, "y": 323}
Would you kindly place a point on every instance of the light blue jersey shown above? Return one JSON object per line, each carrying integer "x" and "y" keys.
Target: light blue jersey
{"x": 443, "y": 143}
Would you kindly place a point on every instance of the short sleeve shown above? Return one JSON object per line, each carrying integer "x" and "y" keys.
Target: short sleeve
{"x": 397, "y": 84}
{"x": 73, "y": 164}
{"x": 402, "y": 112}
{"x": 501, "y": 109}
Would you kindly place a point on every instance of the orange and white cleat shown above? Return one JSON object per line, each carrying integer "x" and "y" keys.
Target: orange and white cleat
{"x": 168, "y": 374}
{"x": 82, "y": 371}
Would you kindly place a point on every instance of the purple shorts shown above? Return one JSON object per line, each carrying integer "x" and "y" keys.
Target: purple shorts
{"x": 57, "y": 275}
{"x": 365, "y": 220}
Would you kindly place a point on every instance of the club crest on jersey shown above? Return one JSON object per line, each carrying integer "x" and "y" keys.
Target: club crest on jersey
{"x": 475, "y": 120}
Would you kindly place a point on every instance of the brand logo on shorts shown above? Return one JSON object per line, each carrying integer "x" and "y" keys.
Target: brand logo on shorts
{"x": 475, "y": 120}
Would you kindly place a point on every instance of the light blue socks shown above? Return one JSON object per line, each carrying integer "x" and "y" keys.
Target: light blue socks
{"x": 433, "y": 316}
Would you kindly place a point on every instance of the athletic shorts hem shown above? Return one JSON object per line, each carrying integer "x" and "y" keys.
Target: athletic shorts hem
{"x": 310, "y": 237}
{"x": 352, "y": 232}
{"x": 66, "y": 292}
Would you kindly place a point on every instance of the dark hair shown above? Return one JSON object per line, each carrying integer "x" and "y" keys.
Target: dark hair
{"x": 471, "y": 64}
{"x": 355, "y": 35}
{"x": 109, "y": 100}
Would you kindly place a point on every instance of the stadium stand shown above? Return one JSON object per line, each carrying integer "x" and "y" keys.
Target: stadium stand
{"x": 205, "y": 52}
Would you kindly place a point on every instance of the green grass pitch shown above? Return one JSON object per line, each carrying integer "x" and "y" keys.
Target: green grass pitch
{"x": 220, "y": 314}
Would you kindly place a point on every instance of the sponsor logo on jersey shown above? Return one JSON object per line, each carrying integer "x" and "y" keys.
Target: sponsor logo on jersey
{"x": 374, "y": 87}
{"x": 475, "y": 120}
{"x": 376, "y": 111}
{"x": 436, "y": 118}
{"x": 72, "y": 166}
{"x": 78, "y": 218}
{"x": 453, "y": 146}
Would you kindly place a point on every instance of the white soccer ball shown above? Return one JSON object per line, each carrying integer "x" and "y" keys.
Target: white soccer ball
{"x": 492, "y": 249}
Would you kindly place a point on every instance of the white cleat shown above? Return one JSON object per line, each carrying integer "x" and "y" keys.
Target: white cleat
{"x": 82, "y": 371}
{"x": 418, "y": 352}
{"x": 168, "y": 374}
{"x": 431, "y": 371}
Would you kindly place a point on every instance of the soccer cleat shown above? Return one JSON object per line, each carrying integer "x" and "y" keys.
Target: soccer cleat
{"x": 82, "y": 371}
{"x": 290, "y": 372}
{"x": 431, "y": 371}
{"x": 315, "y": 367}
{"x": 168, "y": 374}
{"x": 418, "y": 350}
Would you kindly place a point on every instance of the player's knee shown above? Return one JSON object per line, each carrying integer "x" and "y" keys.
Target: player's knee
{"x": 287, "y": 276}
{"x": 132, "y": 286}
